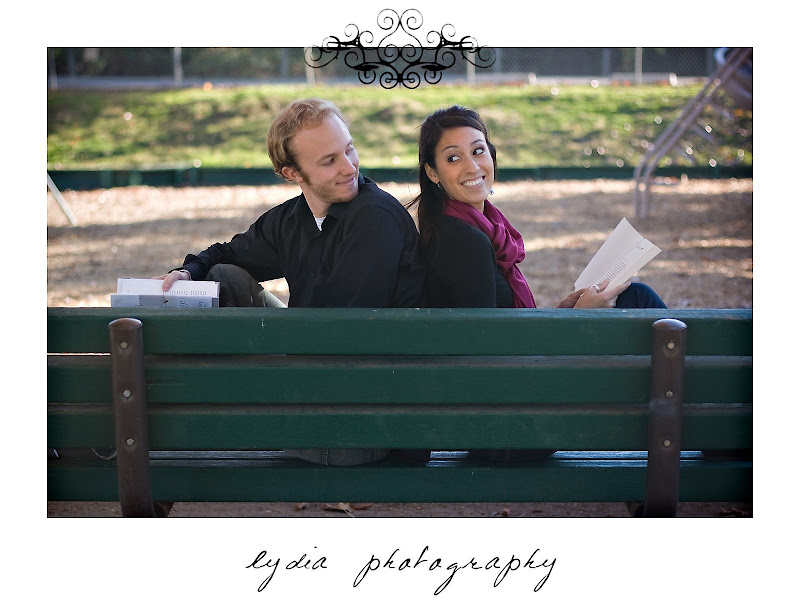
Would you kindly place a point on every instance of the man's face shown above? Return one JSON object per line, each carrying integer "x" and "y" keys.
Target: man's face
{"x": 328, "y": 164}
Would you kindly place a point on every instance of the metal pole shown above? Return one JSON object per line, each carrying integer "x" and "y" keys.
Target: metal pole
{"x": 669, "y": 137}
{"x": 638, "y": 66}
{"x": 177, "y": 67}
{"x": 61, "y": 201}
{"x": 310, "y": 82}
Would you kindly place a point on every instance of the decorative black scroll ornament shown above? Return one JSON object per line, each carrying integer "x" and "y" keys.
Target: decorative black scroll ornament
{"x": 393, "y": 63}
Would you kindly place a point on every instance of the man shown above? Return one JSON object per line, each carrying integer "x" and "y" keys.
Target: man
{"x": 342, "y": 242}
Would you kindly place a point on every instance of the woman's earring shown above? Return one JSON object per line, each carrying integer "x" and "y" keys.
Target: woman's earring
{"x": 491, "y": 190}
{"x": 439, "y": 185}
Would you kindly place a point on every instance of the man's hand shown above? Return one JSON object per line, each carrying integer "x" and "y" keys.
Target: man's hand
{"x": 171, "y": 277}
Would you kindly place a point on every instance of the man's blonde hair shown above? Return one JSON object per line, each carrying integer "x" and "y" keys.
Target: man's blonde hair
{"x": 290, "y": 120}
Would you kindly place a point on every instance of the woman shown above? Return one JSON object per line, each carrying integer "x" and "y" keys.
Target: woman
{"x": 471, "y": 251}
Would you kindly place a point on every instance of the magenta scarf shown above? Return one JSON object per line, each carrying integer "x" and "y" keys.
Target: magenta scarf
{"x": 508, "y": 245}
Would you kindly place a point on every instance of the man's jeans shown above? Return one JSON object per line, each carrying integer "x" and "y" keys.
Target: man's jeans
{"x": 238, "y": 288}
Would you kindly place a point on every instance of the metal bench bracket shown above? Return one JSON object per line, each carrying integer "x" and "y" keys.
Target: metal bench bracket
{"x": 664, "y": 422}
{"x": 130, "y": 418}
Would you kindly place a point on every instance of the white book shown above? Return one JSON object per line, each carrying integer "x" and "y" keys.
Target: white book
{"x": 152, "y": 286}
{"x": 147, "y": 293}
{"x": 622, "y": 255}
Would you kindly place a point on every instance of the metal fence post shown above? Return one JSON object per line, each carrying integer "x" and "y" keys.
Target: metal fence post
{"x": 638, "y": 66}
{"x": 664, "y": 420}
{"x": 177, "y": 66}
{"x": 130, "y": 418}
{"x": 310, "y": 78}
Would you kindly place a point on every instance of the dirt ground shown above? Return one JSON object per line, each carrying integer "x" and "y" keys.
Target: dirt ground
{"x": 704, "y": 228}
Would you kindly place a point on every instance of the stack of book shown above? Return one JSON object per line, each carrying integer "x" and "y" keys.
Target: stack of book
{"x": 147, "y": 292}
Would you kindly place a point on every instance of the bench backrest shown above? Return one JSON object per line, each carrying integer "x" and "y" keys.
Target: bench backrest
{"x": 309, "y": 377}
{"x": 220, "y": 384}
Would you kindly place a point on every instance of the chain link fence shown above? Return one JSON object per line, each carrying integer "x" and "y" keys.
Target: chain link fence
{"x": 193, "y": 66}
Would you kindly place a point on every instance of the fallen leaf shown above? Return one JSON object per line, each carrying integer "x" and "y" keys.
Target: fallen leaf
{"x": 301, "y": 506}
{"x": 340, "y": 507}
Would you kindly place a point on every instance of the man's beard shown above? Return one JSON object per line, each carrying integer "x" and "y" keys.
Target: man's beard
{"x": 328, "y": 193}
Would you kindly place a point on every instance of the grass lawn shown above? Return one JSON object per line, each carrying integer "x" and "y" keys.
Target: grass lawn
{"x": 531, "y": 126}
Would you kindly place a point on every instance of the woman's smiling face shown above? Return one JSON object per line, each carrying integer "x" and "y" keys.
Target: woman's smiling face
{"x": 464, "y": 165}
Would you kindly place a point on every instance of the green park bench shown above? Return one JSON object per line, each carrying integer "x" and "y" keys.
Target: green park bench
{"x": 650, "y": 406}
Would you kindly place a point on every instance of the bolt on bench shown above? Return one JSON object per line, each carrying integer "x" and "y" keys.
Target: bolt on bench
{"x": 651, "y": 406}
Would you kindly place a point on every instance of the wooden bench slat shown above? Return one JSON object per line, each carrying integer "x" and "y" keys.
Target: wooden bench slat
{"x": 584, "y": 427}
{"x": 335, "y": 380}
{"x": 570, "y": 479}
{"x": 406, "y": 331}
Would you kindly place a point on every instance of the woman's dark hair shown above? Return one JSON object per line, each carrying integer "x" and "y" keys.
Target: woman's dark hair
{"x": 431, "y": 197}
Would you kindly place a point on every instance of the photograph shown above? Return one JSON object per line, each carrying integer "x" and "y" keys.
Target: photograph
{"x": 488, "y": 285}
